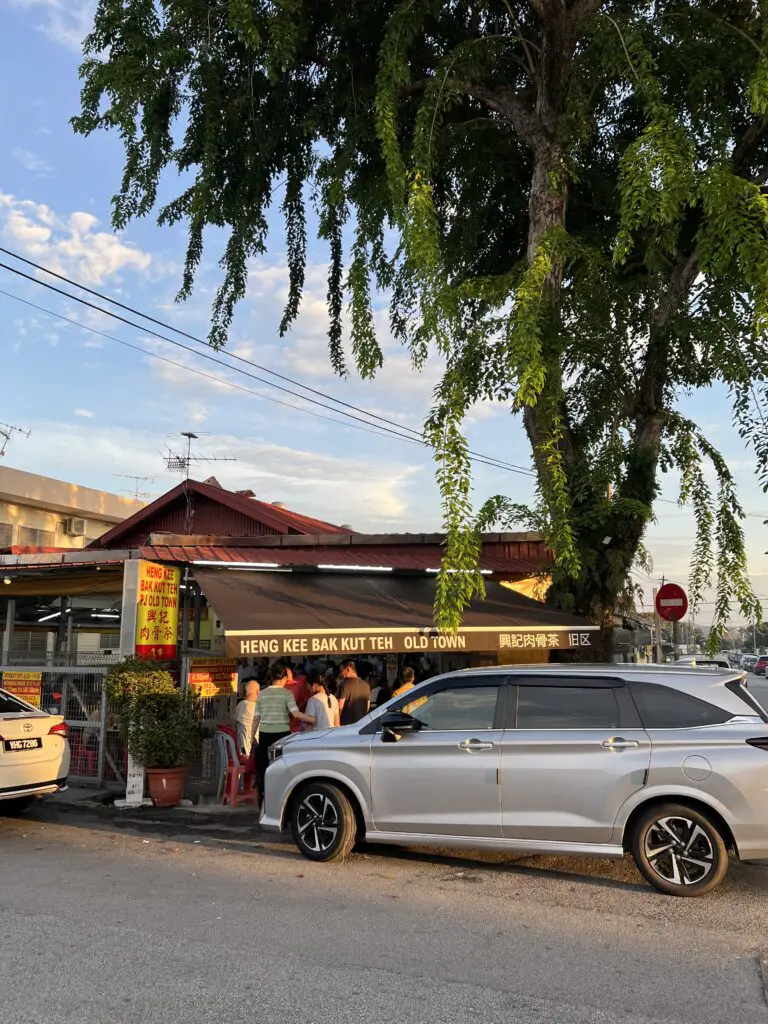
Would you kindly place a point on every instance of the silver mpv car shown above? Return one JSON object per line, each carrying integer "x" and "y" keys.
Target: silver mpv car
{"x": 668, "y": 764}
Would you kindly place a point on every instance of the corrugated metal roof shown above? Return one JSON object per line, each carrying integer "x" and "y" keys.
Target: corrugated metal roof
{"x": 414, "y": 558}
{"x": 266, "y": 518}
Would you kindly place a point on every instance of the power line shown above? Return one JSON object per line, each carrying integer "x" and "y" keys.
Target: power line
{"x": 191, "y": 369}
{"x": 230, "y": 355}
{"x": 370, "y": 429}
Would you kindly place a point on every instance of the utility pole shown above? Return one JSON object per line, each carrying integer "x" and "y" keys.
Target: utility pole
{"x": 657, "y": 622}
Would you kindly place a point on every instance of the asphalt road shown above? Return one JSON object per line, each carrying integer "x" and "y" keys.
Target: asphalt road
{"x": 127, "y": 921}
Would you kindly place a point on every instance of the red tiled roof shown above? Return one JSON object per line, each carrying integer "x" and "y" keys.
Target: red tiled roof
{"x": 415, "y": 558}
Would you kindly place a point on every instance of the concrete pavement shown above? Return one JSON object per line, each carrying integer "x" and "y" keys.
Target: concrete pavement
{"x": 121, "y": 921}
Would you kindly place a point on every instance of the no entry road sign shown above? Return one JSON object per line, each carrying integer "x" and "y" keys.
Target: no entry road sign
{"x": 671, "y": 602}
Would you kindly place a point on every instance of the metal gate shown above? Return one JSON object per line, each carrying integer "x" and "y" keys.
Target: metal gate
{"x": 79, "y": 694}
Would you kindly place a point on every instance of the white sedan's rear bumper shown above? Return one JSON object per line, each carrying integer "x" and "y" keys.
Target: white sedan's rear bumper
{"x": 39, "y": 789}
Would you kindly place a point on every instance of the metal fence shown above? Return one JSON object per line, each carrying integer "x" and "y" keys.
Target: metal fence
{"x": 78, "y": 693}
{"x": 99, "y": 758}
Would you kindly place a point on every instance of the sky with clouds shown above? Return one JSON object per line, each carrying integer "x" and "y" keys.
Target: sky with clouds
{"x": 104, "y": 400}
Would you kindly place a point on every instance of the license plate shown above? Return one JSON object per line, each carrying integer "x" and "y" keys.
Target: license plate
{"x": 23, "y": 744}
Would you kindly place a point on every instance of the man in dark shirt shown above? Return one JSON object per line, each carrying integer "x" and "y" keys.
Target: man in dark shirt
{"x": 354, "y": 695}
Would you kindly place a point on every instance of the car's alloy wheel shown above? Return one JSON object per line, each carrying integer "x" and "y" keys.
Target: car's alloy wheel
{"x": 323, "y": 822}
{"x": 679, "y": 850}
{"x": 318, "y": 822}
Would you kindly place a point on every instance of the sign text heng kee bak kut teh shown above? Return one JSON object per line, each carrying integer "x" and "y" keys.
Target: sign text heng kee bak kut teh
{"x": 243, "y": 643}
{"x": 157, "y": 612}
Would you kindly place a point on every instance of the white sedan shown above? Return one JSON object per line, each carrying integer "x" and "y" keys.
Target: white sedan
{"x": 34, "y": 753}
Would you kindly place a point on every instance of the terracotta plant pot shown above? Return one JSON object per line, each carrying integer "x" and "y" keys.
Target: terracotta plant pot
{"x": 166, "y": 785}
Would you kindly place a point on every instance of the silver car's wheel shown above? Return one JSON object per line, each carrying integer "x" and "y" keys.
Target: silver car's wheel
{"x": 679, "y": 850}
{"x": 318, "y": 822}
{"x": 323, "y": 822}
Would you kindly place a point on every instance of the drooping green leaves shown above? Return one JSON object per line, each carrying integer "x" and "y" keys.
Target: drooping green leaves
{"x": 416, "y": 130}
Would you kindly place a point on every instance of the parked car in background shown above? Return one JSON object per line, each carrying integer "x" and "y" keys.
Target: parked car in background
{"x": 34, "y": 753}
{"x": 666, "y": 763}
{"x": 748, "y": 662}
{"x": 760, "y": 665}
{"x": 719, "y": 661}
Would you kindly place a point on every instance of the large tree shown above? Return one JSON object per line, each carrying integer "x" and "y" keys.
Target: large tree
{"x": 576, "y": 190}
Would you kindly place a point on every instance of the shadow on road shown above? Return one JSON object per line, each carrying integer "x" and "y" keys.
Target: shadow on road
{"x": 243, "y": 835}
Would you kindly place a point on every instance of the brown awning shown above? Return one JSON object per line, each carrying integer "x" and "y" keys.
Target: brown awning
{"x": 283, "y": 613}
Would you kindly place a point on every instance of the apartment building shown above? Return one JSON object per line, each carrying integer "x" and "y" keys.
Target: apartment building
{"x": 37, "y": 511}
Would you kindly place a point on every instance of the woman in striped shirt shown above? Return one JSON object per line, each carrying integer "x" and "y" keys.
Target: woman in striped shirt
{"x": 275, "y": 707}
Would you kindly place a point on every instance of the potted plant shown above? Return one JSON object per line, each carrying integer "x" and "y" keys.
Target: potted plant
{"x": 164, "y": 737}
{"x": 159, "y": 724}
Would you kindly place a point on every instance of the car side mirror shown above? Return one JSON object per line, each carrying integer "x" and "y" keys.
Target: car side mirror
{"x": 395, "y": 723}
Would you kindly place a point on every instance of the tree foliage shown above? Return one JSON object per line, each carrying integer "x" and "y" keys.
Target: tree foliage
{"x": 577, "y": 193}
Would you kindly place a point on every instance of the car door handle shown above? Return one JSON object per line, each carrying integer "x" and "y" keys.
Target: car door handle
{"x": 470, "y": 746}
{"x": 619, "y": 743}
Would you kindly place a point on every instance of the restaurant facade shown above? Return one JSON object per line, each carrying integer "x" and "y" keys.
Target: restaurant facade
{"x": 213, "y": 581}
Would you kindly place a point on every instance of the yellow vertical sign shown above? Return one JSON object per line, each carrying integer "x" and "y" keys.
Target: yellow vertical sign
{"x": 157, "y": 611}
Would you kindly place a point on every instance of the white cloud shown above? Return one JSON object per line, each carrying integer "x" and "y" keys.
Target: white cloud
{"x": 84, "y": 413}
{"x": 66, "y": 22}
{"x": 32, "y": 162}
{"x": 69, "y": 245}
{"x": 392, "y": 495}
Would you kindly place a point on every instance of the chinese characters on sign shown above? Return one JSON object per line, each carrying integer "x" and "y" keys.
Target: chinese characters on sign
{"x": 157, "y": 613}
{"x": 245, "y": 644}
{"x": 213, "y": 677}
{"x": 547, "y": 640}
{"x": 25, "y": 685}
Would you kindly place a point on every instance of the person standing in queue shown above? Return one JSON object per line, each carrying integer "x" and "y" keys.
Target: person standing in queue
{"x": 275, "y": 707}
{"x": 322, "y": 706}
{"x": 301, "y": 690}
{"x": 354, "y": 695}
{"x": 407, "y": 677}
{"x": 247, "y": 733}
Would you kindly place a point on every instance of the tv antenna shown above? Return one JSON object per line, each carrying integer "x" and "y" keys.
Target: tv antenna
{"x": 180, "y": 463}
{"x": 136, "y": 491}
{"x": 7, "y": 430}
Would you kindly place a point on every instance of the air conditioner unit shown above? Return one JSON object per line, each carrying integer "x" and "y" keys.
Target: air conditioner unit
{"x": 75, "y": 527}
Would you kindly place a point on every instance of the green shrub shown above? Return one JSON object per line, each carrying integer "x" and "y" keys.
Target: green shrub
{"x": 160, "y": 725}
{"x": 166, "y": 730}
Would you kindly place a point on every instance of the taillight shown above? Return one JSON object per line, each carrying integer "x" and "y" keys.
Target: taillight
{"x": 59, "y": 730}
{"x": 761, "y": 742}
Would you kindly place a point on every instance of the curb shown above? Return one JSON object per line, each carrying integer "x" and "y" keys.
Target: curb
{"x": 214, "y": 817}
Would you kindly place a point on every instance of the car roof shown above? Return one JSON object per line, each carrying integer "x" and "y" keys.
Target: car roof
{"x": 705, "y": 683}
{"x": 608, "y": 668}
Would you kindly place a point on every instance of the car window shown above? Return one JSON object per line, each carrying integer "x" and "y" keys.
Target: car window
{"x": 9, "y": 705}
{"x": 567, "y": 707}
{"x": 662, "y": 707}
{"x": 456, "y": 708}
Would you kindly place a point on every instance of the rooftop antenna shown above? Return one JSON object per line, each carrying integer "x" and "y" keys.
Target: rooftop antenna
{"x": 180, "y": 463}
{"x": 136, "y": 491}
{"x": 7, "y": 430}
